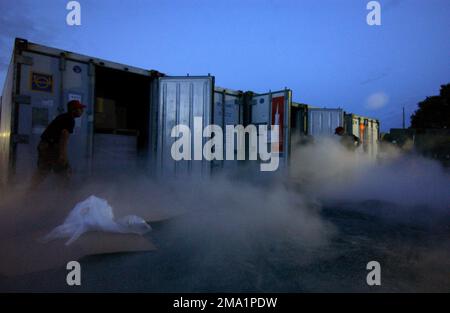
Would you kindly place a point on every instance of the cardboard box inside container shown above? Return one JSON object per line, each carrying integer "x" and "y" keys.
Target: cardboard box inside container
{"x": 121, "y": 117}
{"x": 105, "y": 113}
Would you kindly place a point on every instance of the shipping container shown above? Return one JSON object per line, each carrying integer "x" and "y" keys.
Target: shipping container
{"x": 6, "y": 126}
{"x": 312, "y": 121}
{"x": 126, "y": 106}
{"x": 274, "y": 108}
{"x": 180, "y": 100}
{"x": 248, "y": 108}
{"x": 315, "y": 121}
{"x": 324, "y": 121}
{"x": 129, "y": 116}
{"x": 299, "y": 119}
{"x": 228, "y": 110}
{"x": 366, "y": 129}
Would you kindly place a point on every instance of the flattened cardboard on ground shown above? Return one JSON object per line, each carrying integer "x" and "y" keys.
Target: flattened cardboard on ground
{"x": 26, "y": 218}
{"x": 26, "y": 254}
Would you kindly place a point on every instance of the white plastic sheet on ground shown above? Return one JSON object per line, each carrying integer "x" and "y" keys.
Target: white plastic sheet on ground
{"x": 95, "y": 214}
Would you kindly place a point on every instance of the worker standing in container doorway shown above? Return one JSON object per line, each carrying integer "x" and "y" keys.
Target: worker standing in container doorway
{"x": 52, "y": 149}
{"x": 349, "y": 141}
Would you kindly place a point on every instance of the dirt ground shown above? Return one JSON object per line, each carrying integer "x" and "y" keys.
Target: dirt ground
{"x": 413, "y": 253}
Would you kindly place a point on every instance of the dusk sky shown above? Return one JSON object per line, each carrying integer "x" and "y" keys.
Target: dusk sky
{"x": 323, "y": 50}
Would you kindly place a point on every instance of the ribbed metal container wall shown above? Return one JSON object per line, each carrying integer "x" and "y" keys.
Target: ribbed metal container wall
{"x": 6, "y": 124}
{"x": 367, "y": 130}
{"x": 323, "y": 122}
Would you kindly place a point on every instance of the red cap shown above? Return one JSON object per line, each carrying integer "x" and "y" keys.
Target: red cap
{"x": 75, "y": 104}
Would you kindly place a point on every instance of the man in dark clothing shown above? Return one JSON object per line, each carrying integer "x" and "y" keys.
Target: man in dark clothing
{"x": 350, "y": 141}
{"x": 52, "y": 149}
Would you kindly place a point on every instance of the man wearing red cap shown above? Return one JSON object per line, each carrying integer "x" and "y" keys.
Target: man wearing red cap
{"x": 52, "y": 149}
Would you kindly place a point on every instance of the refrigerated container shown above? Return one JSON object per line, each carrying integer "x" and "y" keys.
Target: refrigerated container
{"x": 366, "y": 129}
{"x": 228, "y": 110}
{"x": 299, "y": 119}
{"x": 129, "y": 115}
{"x": 125, "y": 121}
{"x": 6, "y": 124}
{"x": 274, "y": 108}
{"x": 324, "y": 121}
{"x": 180, "y": 100}
{"x": 313, "y": 121}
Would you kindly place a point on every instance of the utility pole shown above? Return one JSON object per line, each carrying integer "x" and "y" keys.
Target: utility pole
{"x": 403, "y": 123}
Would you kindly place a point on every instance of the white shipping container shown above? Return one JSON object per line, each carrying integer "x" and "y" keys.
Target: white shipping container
{"x": 40, "y": 82}
{"x": 324, "y": 121}
{"x": 367, "y": 130}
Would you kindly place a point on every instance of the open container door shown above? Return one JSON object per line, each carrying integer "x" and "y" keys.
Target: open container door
{"x": 274, "y": 108}
{"x": 180, "y": 100}
{"x": 6, "y": 123}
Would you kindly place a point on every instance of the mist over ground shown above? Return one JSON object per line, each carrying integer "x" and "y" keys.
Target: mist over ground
{"x": 331, "y": 173}
{"x": 312, "y": 227}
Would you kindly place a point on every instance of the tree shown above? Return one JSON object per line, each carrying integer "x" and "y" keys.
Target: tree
{"x": 433, "y": 112}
